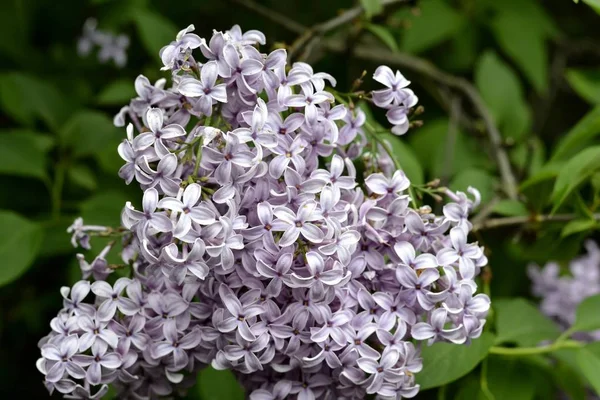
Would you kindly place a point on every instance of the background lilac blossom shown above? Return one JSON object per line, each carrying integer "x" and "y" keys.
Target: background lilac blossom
{"x": 256, "y": 249}
{"x": 561, "y": 294}
{"x": 110, "y": 46}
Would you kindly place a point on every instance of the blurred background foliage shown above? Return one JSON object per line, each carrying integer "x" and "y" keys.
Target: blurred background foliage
{"x": 536, "y": 65}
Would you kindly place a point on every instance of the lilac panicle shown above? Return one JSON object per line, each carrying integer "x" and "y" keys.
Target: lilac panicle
{"x": 257, "y": 248}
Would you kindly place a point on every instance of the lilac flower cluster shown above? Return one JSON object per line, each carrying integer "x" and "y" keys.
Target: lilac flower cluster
{"x": 561, "y": 294}
{"x": 110, "y": 47}
{"x": 258, "y": 249}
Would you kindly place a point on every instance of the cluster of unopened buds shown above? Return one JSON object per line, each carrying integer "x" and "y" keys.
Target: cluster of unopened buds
{"x": 561, "y": 293}
{"x": 258, "y": 248}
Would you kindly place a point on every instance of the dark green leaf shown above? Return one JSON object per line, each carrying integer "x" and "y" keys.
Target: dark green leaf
{"x": 218, "y": 385}
{"x": 520, "y": 322}
{"x": 83, "y": 176}
{"x": 502, "y": 92}
{"x": 155, "y": 31}
{"x": 20, "y": 241}
{"x": 579, "y": 136}
{"x": 538, "y": 18}
{"x": 477, "y": 178}
{"x": 576, "y": 171}
{"x": 587, "y": 316}
{"x": 433, "y": 156}
{"x": 436, "y": 23}
{"x": 23, "y": 153}
{"x": 446, "y": 362}
{"x": 589, "y": 362}
{"x": 103, "y": 208}
{"x": 90, "y": 132}
{"x": 569, "y": 380}
{"x": 383, "y": 34}
{"x": 526, "y": 46}
{"x": 510, "y": 208}
{"x": 25, "y": 98}
{"x": 56, "y": 239}
{"x": 529, "y": 157}
{"x": 578, "y": 226}
{"x": 510, "y": 379}
{"x": 117, "y": 93}
{"x": 407, "y": 159}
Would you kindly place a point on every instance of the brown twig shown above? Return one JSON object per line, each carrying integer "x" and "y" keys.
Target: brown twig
{"x": 525, "y": 219}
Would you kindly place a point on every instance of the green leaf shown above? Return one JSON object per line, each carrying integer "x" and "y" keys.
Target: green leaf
{"x": 586, "y": 83}
{"x": 371, "y": 7}
{"x": 90, "y": 132}
{"x": 510, "y": 208}
{"x": 576, "y": 171}
{"x": 82, "y": 176}
{"x": 446, "y": 362}
{"x": 578, "y": 226}
{"x": 23, "y": 153}
{"x": 510, "y": 379}
{"x": 477, "y": 178}
{"x": 524, "y": 44}
{"x": 218, "y": 385}
{"x": 20, "y": 241}
{"x": 528, "y": 157}
{"x": 25, "y": 98}
{"x": 502, "y": 91}
{"x": 587, "y": 315}
{"x": 518, "y": 321}
{"x": 117, "y": 93}
{"x": 56, "y": 239}
{"x": 383, "y": 34}
{"x": 436, "y": 23}
{"x": 569, "y": 380}
{"x": 407, "y": 159}
{"x": 589, "y": 362}
{"x": 579, "y": 136}
{"x": 432, "y": 155}
{"x": 595, "y": 4}
{"x": 155, "y": 31}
